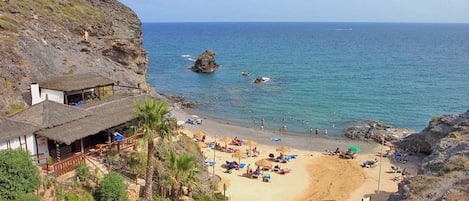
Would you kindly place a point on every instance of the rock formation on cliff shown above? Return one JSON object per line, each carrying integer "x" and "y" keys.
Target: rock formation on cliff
{"x": 205, "y": 63}
{"x": 40, "y": 40}
{"x": 444, "y": 173}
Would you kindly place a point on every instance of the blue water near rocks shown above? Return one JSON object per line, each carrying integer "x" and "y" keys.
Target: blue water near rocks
{"x": 323, "y": 75}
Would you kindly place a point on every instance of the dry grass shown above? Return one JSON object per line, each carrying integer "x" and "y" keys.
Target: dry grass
{"x": 455, "y": 163}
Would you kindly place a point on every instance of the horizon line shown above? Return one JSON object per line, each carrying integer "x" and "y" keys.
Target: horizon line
{"x": 370, "y": 22}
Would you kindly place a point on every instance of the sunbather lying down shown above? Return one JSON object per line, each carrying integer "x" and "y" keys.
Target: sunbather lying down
{"x": 284, "y": 171}
{"x": 370, "y": 163}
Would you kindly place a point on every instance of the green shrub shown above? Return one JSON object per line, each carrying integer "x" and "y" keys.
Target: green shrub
{"x": 113, "y": 187}
{"x": 48, "y": 181}
{"x": 18, "y": 174}
{"x": 83, "y": 172}
{"x": 14, "y": 108}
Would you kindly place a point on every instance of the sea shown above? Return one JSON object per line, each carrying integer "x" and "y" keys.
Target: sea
{"x": 323, "y": 75}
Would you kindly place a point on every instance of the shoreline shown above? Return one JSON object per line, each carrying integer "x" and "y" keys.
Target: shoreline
{"x": 315, "y": 175}
{"x": 303, "y": 142}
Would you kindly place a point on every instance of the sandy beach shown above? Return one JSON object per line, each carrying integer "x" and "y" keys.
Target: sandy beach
{"x": 314, "y": 174}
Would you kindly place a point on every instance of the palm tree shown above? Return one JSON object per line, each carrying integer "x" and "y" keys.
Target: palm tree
{"x": 184, "y": 171}
{"x": 152, "y": 119}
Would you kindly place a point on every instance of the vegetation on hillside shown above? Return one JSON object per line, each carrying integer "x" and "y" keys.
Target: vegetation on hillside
{"x": 19, "y": 176}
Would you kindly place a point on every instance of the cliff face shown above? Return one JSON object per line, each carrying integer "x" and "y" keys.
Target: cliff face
{"x": 444, "y": 173}
{"x": 43, "y": 39}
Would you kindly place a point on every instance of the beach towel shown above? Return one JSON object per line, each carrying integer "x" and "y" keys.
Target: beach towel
{"x": 276, "y": 139}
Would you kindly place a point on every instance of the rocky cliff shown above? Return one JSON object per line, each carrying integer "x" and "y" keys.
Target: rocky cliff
{"x": 43, "y": 39}
{"x": 444, "y": 173}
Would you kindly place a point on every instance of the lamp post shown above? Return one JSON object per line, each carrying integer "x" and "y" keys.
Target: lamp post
{"x": 224, "y": 191}
{"x": 213, "y": 168}
{"x": 380, "y": 161}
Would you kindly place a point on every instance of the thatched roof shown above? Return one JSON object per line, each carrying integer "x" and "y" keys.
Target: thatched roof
{"x": 75, "y": 82}
{"x": 48, "y": 114}
{"x": 10, "y": 129}
{"x": 104, "y": 116}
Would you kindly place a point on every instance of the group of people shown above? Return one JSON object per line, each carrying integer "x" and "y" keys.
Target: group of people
{"x": 250, "y": 172}
{"x": 316, "y": 131}
{"x": 237, "y": 141}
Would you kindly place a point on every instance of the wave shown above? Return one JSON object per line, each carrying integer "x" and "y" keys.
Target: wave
{"x": 188, "y": 57}
{"x": 349, "y": 29}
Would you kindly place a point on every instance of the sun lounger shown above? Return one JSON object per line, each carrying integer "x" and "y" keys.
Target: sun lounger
{"x": 272, "y": 156}
{"x": 282, "y": 160}
{"x": 255, "y": 175}
{"x": 284, "y": 171}
{"x": 276, "y": 168}
{"x": 276, "y": 139}
{"x": 266, "y": 178}
{"x": 292, "y": 156}
{"x": 210, "y": 163}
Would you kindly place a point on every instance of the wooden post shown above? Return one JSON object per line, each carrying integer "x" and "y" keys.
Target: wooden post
{"x": 82, "y": 146}
{"x": 57, "y": 149}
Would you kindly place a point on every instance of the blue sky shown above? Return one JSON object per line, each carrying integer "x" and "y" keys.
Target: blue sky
{"x": 439, "y": 11}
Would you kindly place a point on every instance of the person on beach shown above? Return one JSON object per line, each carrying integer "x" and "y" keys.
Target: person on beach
{"x": 311, "y": 131}
{"x": 325, "y": 132}
{"x": 317, "y": 132}
{"x": 262, "y": 127}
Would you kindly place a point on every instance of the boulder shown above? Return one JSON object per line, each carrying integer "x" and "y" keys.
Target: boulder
{"x": 205, "y": 63}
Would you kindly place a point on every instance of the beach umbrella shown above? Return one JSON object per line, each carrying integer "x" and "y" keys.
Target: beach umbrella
{"x": 354, "y": 148}
{"x": 250, "y": 143}
{"x": 202, "y": 144}
{"x": 283, "y": 149}
{"x": 225, "y": 139}
{"x": 200, "y": 134}
{"x": 263, "y": 163}
{"x": 239, "y": 155}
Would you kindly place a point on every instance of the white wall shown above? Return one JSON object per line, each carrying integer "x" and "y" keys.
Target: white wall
{"x": 31, "y": 145}
{"x": 52, "y": 95}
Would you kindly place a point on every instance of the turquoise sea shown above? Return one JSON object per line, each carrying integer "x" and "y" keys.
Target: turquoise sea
{"x": 323, "y": 75}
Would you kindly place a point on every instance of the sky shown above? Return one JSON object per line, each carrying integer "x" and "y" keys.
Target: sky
{"x": 426, "y": 11}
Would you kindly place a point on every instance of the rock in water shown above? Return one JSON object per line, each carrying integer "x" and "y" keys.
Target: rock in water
{"x": 205, "y": 63}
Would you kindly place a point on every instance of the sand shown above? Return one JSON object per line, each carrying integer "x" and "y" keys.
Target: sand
{"x": 315, "y": 175}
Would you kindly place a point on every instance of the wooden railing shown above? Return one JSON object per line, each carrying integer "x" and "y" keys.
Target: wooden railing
{"x": 69, "y": 164}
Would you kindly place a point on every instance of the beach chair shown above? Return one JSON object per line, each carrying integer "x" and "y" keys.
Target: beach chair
{"x": 255, "y": 175}
{"x": 284, "y": 171}
{"x": 272, "y": 156}
{"x": 276, "y": 168}
{"x": 293, "y": 156}
{"x": 210, "y": 163}
{"x": 266, "y": 178}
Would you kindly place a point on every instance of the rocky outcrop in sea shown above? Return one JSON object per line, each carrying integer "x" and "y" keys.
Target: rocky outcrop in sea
{"x": 205, "y": 63}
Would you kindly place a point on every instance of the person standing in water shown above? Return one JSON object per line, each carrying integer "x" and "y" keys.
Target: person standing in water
{"x": 311, "y": 131}
{"x": 317, "y": 132}
{"x": 325, "y": 132}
